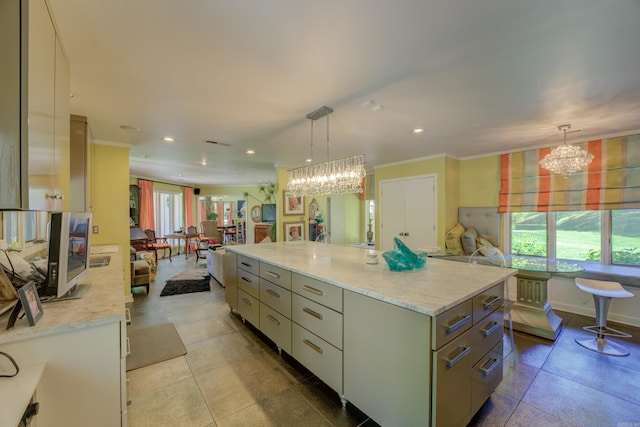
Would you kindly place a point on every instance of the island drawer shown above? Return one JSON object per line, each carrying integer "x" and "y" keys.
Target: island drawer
{"x": 249, "y": 264}
{"x": 249, "y": 283}
{"x": 318, "y": 319}
{"x": 320, "y": 357}
{"x": 276, "y": 326}
{"x": 486, "y": 334}
{"x": 318, "y": 291}
{"x": 249, "y": 308}
{"x": 485, "y": 377}
{"x": 488, "y": 301}
{"x": 276, "y": 275}
{"x": 275, "y": 297}
{"x": 451, "y": 324}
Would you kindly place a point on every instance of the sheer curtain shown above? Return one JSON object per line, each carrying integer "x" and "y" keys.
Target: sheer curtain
{"x": 146, "y": 205}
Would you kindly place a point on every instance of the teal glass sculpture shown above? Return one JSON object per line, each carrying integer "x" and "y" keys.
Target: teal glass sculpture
{"x": 402, "y": 258}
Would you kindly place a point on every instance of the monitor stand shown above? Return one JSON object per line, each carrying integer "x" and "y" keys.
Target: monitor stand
{"x": 77, "y": 292}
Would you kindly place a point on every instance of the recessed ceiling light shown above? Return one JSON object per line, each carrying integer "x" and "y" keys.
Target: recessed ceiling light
{"x": 168, "y": 139}
{"x": 131, "y": 128}
{"x": 377, "y": 108}
{"x": 418, "y": 130}
{"x": 203, "y": 162}
{"x": 251, "y": 152}
{"x": 309, "y": 160}
{"x": 179, "y": 175}
{"x": 368, "y": 103}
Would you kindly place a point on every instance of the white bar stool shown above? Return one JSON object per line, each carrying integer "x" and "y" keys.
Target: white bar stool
{"x": 603, "y": 292}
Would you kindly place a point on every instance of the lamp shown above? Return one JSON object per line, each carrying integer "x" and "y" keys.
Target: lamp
{"x": 341, "y": 176}
{"x": 566, "y": 159}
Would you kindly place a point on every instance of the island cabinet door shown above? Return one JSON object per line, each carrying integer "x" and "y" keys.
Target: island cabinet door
{"x": 387, "y": 361}
{"x": 230, "y": 273}
{"x": 249, "y": 308}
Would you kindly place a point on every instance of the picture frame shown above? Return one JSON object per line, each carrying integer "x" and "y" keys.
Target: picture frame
{"x": 256, "y": 213}
{"x": 293, "y": 205}
{"x": 30, "y": 302}
{"x": 293, "y": 231}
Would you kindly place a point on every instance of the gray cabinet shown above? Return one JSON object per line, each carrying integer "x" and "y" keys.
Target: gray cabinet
{"x": 35, "y": 109}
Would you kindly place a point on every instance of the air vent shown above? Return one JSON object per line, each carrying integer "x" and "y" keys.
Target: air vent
{"x": 217, "y": 143}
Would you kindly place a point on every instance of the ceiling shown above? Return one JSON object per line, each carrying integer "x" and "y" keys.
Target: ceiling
{"x": 480, "y": 77}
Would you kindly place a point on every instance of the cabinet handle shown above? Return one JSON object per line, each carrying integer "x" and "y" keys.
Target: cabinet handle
{"x": 246, "y": 279}
{"x": 127, "y": 315}
{"x": 246, "y": 264}
{"x": 313, "y": 290}
{"x": 273, "y": 319}
{"x": 488, "y": 304}
{"x": 128, "y": 347}
{"x": 450, "y": 328}
{"x": 486, "y": 370}
{"x": 274, "y": 293}
{"x": 246, "y": 301}
{"x": 129, "y": 401}
{"x": 463, "y": 352}
{"x": 272, "y": 274}
{"x": 313, "y": 346}
{"x": 313, "y": 313}
{"x": 488, "y": 330}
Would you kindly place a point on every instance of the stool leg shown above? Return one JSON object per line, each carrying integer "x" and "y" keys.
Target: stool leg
{"x": 600, "y": 344}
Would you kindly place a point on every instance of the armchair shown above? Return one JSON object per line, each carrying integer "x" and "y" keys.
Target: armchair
{"x": 209, "y": 230}
{"x": 157, "y": 243}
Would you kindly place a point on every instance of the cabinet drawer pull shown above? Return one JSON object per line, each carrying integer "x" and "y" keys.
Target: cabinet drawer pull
{"x": 463, "y": 352}
{"x": 493, "y": 362}
{"x": 272, "y": 274}
{"x": 246, "y": 279}
{"x": 450, "y": 328}
{"x": 313, "y": 346}
{"x": 488, "y": 304}
{"x": 313, "y": 290}
{"x": 127, "y": 315}
{"x": 128, "y": 392}
{"x": 274, "y": 293}
{"x": 313, "y": 313}
{"x": 247, "y": 301}
{"x": 488, "y": 330}
{"x": 273, "y": 319}
{"x": 128, "y": 347}
{"x": 246, "y": 264}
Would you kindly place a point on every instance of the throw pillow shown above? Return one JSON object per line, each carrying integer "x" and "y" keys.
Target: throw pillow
{"x": 469, "y": 240}
{"x": 485, "y": 247}
{"x": 452, "y": 240}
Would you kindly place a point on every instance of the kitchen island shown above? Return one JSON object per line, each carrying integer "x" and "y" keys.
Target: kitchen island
{"x": 420, "y": 347}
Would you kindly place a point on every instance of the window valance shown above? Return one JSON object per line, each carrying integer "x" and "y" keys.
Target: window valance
{"x": 610, "y": 181}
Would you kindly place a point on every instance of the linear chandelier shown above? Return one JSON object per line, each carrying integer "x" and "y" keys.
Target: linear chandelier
{"x": 341, "y": 176}
{"x": 566, "y": 159}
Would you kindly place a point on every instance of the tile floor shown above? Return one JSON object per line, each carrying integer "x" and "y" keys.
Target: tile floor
{"x": 232, "y": 376}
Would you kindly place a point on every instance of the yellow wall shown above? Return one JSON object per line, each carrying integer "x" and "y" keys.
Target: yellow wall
{"x": 109, "y": 199}
{"x": 480, "y": 182}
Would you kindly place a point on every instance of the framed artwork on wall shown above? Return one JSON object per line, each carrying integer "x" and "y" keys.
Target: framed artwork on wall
{"x": 293, "y": 205}
{"x": 294, "y": 231}
{"x": 256, "y": 213}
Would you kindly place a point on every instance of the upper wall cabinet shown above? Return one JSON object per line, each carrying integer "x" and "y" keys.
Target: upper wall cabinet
{"x": 35, "y": 128}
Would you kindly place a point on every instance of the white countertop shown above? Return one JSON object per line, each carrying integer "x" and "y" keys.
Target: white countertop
{"x": 104, "y": 303}
{"x": 438, "y": 286}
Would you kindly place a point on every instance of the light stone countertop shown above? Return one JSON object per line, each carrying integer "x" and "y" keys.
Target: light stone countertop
{"x": 437, "y": 287}
{"x": 102, "y": 304}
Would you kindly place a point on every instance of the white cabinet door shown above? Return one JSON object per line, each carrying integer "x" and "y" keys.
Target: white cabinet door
{"x": 408, "y": 211}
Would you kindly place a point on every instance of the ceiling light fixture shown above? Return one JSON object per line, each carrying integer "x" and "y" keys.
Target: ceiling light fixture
{"x": 168, "y": 139}
{"x": 250, "y": 152}
{"x": 418, "y": 130}
{"x": 341, "y": 176}
{"x": 566, "y": 159}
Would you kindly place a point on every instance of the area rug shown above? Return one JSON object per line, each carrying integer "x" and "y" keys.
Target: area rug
{"x": 153, "y": 344}
{"x": 187, "y": 282}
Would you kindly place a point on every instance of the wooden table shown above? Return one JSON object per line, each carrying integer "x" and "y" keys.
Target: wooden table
{"x": 186, "y": 237}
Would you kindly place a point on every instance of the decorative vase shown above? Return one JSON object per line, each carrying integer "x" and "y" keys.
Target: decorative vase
{"x": 369, "y": 235}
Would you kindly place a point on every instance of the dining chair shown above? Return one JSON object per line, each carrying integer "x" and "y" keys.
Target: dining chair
{"x": 209, "y": 230}
{"x": 157, "y": 243}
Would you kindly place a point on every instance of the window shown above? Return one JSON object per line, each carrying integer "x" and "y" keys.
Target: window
{"x": 607, "y": 237}
{"x": 24, "y": 227}
{"x": 169, "y": 216}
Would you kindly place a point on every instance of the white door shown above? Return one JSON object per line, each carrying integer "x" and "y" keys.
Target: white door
{"x": 408, "y": 211}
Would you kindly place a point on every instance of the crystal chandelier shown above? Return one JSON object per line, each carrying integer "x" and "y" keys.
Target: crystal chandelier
{"x": 341, "y": 176}
{"x": 566, "y": 159}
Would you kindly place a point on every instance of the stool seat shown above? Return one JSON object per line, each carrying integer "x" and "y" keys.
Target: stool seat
{"x": 603, "y": 292}
{"x": 602, "y": 288}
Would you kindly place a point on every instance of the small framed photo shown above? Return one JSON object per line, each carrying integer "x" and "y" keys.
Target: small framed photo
{"x": 30, "y": 302}
{"x": 293, "y": 231}
{"x": 293, "y": 205}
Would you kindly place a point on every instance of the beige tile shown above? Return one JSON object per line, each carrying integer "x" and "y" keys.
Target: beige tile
{"x": 516, "y": 377}
{"x": 252, "y": 415}
{"x": 158, "y": 375}
{"x": 203, "y": 329}
{"x": 233, "y": 387}
{"x": 179, "y": 404}
{"x": 495, "y": 411}
{"x": 527, "y": 416}
{"x": 204, "y": 356}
